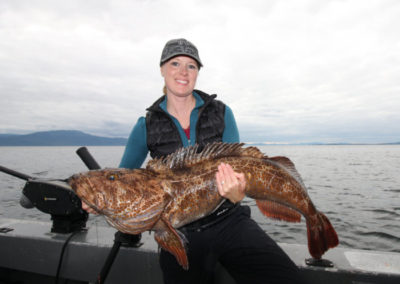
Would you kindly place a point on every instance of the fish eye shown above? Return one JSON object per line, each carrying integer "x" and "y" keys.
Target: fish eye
{"x": 112, "y": 177}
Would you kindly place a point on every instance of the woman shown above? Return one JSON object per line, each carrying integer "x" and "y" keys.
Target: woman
{"x": 185, "y": 116}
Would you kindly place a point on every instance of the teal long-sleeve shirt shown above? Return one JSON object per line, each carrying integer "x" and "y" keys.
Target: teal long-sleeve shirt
{"x": 136, "y": 149}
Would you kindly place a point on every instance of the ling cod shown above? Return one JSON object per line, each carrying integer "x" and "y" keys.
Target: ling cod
{"x": 180, "y": 188}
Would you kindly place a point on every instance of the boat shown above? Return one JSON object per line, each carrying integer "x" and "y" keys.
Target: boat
{"x": 65, "y": 250}
{"x": 31, "y": 253}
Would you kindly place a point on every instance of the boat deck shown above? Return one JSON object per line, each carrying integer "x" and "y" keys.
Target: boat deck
{"x": 30, "y": 251}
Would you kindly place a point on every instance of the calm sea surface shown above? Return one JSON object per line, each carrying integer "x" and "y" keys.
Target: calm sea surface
{"x": 357, "y": 187}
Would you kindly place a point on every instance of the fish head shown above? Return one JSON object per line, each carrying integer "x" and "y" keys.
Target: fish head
{"x": 109, "y": 190}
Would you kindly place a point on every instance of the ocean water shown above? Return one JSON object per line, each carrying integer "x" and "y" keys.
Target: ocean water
{"x": 356, "y": 186}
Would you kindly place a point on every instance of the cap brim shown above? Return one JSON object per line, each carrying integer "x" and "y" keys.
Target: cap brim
{"x": 183, "y": 54}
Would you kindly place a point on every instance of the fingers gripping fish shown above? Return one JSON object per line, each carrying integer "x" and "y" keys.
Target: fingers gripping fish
{"x": 180, "y": 188}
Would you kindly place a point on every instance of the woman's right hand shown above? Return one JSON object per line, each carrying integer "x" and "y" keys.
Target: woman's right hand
{"x": 88, "y": 209}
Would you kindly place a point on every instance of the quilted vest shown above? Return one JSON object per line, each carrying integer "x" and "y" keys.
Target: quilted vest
{"x": 163, "y": 136}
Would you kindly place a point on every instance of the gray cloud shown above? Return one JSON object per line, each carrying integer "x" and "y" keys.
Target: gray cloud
{"x": 291, "y": 70}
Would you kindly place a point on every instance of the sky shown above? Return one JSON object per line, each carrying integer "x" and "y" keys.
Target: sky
{"x": 293, "y": 71}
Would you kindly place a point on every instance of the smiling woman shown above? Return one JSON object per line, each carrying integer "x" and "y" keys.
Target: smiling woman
{"x": 180, "y": 75}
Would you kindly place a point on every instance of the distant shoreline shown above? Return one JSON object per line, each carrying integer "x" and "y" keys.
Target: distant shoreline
{"x": 79, "y": 138}
{"x": 59, "y": 138}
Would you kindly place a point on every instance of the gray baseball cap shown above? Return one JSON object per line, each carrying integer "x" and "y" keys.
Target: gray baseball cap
{"x": 180, "y": 46}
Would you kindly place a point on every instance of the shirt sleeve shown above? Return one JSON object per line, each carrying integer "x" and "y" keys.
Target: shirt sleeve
{"x": 136, "y": 148}
{"x": 231, "y": 132}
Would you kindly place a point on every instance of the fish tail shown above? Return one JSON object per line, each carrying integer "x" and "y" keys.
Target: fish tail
{"x": 321, "y": 235}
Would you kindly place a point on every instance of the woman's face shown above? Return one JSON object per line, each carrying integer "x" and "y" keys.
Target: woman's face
{"x": 180, "y": 75}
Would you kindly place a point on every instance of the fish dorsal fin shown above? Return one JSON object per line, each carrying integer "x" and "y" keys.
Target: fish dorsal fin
{"x": 185, "y": 157}
{"x": 252, "y": 152}
{"x": 289, "y": 166}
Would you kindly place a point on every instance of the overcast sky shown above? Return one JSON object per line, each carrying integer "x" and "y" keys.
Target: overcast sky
{"x": 292, "y": 71}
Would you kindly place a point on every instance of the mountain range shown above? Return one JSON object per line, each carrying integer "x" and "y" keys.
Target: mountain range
{"x": 59, "y": 138}
{"x": 79, "y": 138}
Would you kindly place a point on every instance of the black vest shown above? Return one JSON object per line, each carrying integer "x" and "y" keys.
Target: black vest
{"x": 163, "y": 136}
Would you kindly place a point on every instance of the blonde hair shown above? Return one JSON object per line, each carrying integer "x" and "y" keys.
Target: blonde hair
{"x": 164, "y": 90}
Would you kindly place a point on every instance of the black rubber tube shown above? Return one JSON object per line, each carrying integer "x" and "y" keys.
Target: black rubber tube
{"x": 88, "y": 159}
{"x": 15, "y": 173}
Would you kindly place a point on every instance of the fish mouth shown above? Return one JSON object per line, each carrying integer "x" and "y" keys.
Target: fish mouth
{"x": 73, "y": 181}
{"x": 88, "y": 193}
{"x": 81, "y": 185}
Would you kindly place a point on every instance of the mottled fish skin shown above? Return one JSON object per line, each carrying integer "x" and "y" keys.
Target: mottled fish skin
{"x": 181, "y": 188}
{"x": 195, "y": 195}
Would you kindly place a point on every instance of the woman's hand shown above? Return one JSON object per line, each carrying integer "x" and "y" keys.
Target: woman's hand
{"x": 88, "y": 209}
{"x": 231, "y": 185}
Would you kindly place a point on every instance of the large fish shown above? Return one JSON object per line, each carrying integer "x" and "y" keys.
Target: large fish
{"x": 178, "y": 189}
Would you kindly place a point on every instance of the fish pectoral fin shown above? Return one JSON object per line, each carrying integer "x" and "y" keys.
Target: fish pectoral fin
{"x": 278, "y": 211}
{"x": 172, "y": 241}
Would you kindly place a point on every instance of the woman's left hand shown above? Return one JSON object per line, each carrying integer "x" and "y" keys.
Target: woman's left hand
{"x": 231, "y": 185}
